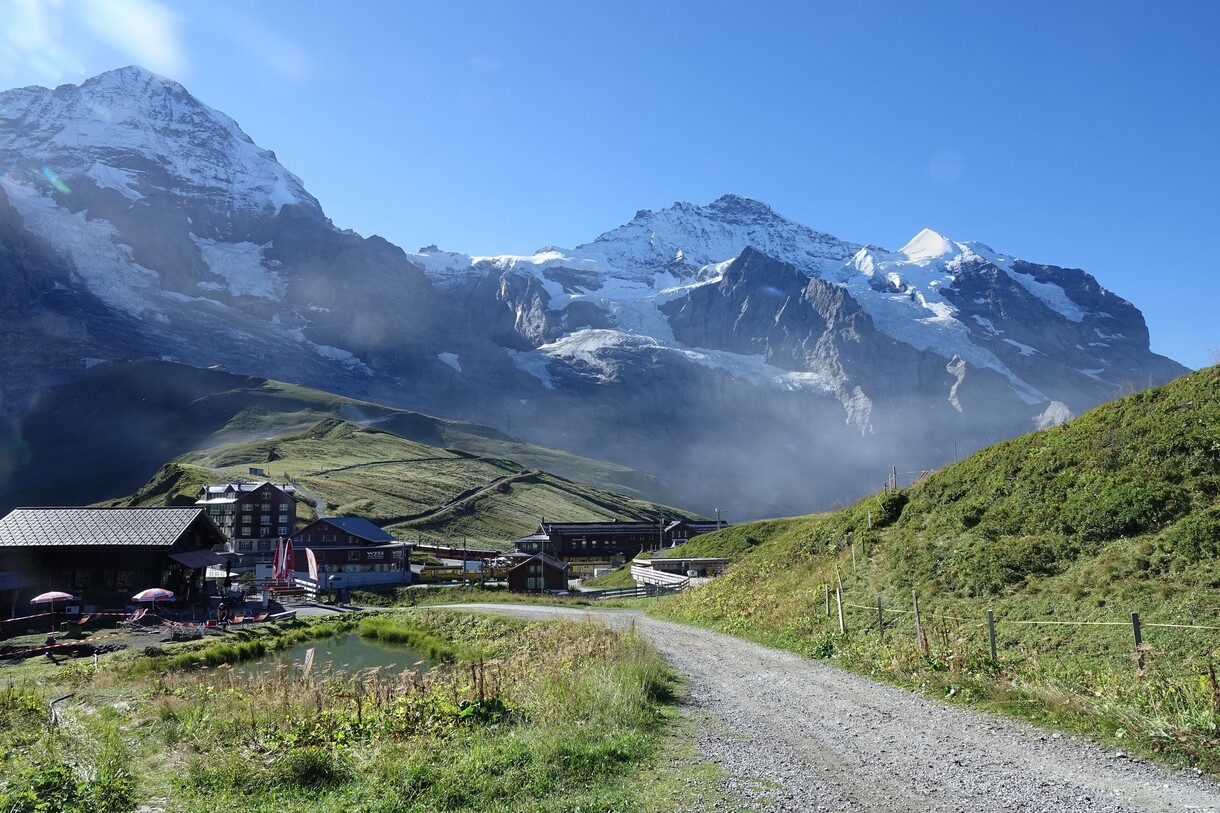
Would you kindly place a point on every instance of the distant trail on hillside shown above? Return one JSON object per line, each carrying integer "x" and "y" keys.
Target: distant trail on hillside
{"x": 372, "y": 463}
{"x": 795, "y": 734}
{"x": 468, "y": 495}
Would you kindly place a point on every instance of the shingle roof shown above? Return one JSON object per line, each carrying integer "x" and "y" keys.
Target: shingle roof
{"x": 215, "y": 492}
{"x": 599, "y": 527}
{"x": 30, "y": 527}
{"x": 361, "y": 527}
{"x": 612, "y": 528}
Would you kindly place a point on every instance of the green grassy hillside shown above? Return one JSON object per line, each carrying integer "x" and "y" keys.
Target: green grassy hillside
{"x": 107, "y": 435}
{"x": 416, "y": 490}
{"x": 1062, "y": 534}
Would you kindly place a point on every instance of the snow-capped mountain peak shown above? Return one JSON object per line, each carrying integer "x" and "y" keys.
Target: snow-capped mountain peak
{"x": 140, "y": 133}
{"x": 929, "y": 245}
{"x": 691, "y": 236}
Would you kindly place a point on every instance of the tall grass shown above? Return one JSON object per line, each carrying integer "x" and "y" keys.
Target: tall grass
{"x": 553, "y": 716}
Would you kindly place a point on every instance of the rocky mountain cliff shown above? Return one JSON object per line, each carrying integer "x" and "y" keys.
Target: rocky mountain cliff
{"x": 749, "y": 362}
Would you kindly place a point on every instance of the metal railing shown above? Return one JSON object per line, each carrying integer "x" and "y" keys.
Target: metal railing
{"x": 646, "y": 575}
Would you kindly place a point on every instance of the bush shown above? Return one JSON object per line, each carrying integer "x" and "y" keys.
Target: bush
{"x": 1116, "y": 509}
{"x": 889, "y": 508}
{"x": 311, "y": 768}
{"x": 1196, "y": 538}
{"x": 53, "y": 787}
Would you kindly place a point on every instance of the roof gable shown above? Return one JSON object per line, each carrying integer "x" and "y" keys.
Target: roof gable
{"x": 544, "y": 558}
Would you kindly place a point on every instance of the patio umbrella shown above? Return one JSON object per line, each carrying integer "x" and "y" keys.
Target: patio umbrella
{"x": 51, "y": 598}
{"x": 154, "y": 594}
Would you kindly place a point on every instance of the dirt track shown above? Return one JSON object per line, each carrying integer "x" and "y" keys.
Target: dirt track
{"x": 795, "y": 734}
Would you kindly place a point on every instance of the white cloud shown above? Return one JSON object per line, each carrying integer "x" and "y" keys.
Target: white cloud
{"x": 146, "y": 31}
{"x": 31, "y": 42}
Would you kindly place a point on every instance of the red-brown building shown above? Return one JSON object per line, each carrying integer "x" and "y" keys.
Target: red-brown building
{"x": 350, "y": 545}
{"x": 538, "y": 574}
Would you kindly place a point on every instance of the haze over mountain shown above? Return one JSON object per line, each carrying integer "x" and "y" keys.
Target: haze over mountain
{"x": 748, "y": 362}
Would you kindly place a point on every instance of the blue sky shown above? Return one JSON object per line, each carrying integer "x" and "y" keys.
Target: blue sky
{"x": 1078, "y": 134}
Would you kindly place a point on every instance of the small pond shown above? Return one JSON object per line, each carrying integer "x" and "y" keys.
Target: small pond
{"x": 342, "y": 654}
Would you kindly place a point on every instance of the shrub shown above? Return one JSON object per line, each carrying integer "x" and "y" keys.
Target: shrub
{"x": 1195, "y": 538}
{"x": 889, "y": 508}
{"x": 1115, "y": 509}
{"x": 52, "y": 786}
{"x": 311, "y": 768}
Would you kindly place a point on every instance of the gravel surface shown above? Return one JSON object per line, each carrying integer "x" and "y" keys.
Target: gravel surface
{"x": 793, "y": 734}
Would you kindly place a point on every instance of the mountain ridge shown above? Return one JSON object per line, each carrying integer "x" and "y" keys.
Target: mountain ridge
{"x": 723, "y": 347}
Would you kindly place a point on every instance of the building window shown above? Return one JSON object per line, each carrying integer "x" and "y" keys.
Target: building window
{"x": 245, "y": 546}
{"x": 283, "y": 518}
{"x": 283, "y": 530}
{"x": 264, "y": 545}
{"x": 264, "y": 520}
{"x": 353, "y": 556}
{"x": 247, "y": 507}
{"x": 245, "y": 530}
{"x": 266, "y": 506}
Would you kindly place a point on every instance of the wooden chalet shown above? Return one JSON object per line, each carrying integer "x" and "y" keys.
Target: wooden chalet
{"x": 540, "y": 573}
{"x": 106, "y": 555}
{"x": 350, "y": 545}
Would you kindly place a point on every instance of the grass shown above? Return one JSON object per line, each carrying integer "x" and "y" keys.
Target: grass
{"x": 398, "y": 484}
{"x": 157, "y": 431}
{"x": 490, "y": 731}
{"x": 1075, "y": 528}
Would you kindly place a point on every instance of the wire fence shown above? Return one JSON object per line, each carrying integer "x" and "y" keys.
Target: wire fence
{"x": 883, "y": 614}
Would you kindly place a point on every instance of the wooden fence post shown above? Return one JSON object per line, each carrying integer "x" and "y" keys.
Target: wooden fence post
{"x": 826, "y": 587}
{"x": 839, "y": 601}
{"x": 920, "y": 641}
{"x": 1139, "y": 640}
{"x": 880, "y": 620}
{"x": 991, "y": 631}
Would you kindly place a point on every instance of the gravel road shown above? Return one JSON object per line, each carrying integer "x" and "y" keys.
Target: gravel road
{"x": 795, "y": 734}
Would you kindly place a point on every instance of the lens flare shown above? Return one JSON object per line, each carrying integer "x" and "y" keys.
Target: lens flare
{"x": 50, "y": 175}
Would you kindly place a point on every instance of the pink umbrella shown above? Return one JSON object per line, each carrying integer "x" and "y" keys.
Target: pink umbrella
{"x": 154, "y": 594}
{"x": 51, "y": 598}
